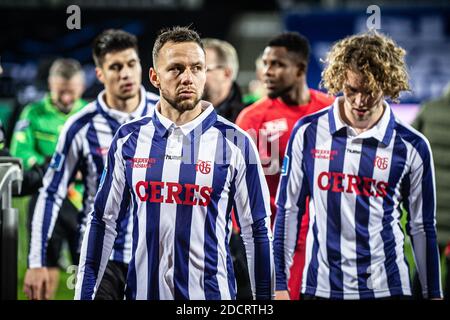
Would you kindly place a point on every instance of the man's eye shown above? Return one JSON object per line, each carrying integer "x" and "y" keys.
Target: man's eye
{"x": 175, "y": 69}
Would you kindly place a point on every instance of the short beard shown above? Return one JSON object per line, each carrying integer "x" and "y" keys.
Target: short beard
{"x": 178, "y": 104}
{"x": 280, "y": 92}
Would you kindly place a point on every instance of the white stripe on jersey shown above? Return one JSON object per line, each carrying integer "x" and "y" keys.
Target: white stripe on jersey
{"x": 82, "y": 145}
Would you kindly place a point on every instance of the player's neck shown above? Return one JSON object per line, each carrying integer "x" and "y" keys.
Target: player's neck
{"x": 123, "y": 105}
{"x": 298, "y": 96}
{"x": 361, "y": 126}
{"x": 177, "y": 117}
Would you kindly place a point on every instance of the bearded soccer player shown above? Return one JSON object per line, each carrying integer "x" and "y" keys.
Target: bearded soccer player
{"x": 271, "y": 119}
{"x": 182, "y": 171}
{"x": 82, "y": 146}
{"x": 361, "y": 167}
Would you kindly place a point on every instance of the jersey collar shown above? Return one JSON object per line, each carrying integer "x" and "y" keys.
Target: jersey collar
{"x": 196, "y": 127}
{"x": 382, "y": 131}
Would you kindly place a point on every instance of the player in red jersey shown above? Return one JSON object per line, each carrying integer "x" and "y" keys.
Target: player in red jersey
{"x": 270, "y": 121}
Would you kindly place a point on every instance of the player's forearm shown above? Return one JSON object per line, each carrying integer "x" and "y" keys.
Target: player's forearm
{"x": 96, "y": 248}
{"x": 285, "y": 232}
{"x": 258, "y": 241}
{"x": 44, "y": 217}
{"x": 426, "y": 252}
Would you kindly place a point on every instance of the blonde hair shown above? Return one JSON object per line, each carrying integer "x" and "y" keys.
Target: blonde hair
{"x": 377, "y": 57}
{"x": 226, "y": 54}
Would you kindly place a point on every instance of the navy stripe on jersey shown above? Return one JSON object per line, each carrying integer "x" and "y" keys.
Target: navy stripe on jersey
{"x": 184, "y": 218}
{"x": 312, "y": 273}
{"x": 339, "y": 143}
{"x": 259, "y": 227}
{"x": 94, "y": 146}
{"x": 153, "y": 216}
{"x": 231, "y": 206}
{"x": 212, "y": 291}
{"x": 131, "y": 287}
{"x": 221, "y": 165}
{"x": 399, "y": 156}
{"x": 362, "y": 213}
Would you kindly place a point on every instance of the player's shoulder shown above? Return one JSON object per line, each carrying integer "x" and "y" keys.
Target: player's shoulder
{"x": 411, "y": 136}
{"x": 313, "y": 117}
{"x": 229, "y": 129}
{"x": 33, "y": 109}
{"x": 133, "y": 126}
{"x": 79, "y": 120}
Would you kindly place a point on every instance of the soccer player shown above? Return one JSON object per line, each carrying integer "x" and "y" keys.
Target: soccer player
{"x": 83, "y": 146}
{"x": 181, "y": 170}
{"x": 285, "y": 62}
{"x": 361, "y": 167}
{"x": 34, "y": 141}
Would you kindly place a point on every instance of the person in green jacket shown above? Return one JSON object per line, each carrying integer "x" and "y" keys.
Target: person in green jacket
{"x": 434, "y": 121}
{"x": 34, "y": 141}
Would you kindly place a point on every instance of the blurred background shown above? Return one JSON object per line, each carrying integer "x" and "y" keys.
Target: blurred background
{"x": 34, "y": 32}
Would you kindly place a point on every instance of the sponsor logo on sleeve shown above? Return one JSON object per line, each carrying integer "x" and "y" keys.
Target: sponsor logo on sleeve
{"x": 102, "y": 179}
{"x": 285, "y": 167}
{"x": 57, "y": 161}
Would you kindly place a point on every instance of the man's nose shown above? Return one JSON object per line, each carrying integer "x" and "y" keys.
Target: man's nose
{"x": 125, "y": 73}
{"x": 67, "y": 99}
{"x": 267, "y": 71}
{"x": 358, "y": 99}
{"x": 187, "y": 76}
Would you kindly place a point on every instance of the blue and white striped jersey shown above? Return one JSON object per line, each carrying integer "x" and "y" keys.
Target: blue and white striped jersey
{"x": 181, "y": 183}
{"x": 358, "y": 185}
{"x": 82, "y": 146}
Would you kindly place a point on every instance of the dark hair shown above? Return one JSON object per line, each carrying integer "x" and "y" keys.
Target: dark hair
{"x": 175, "y": 34}
{"x": 293, "y": 42}
{"x": 112, "y": 40}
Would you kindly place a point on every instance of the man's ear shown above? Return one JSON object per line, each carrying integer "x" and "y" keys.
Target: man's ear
{"x": 154, "y": 78}
{"x": 228, "y": 72}
{"x": 301, "y": 68}
{"x": 99, "y": 74}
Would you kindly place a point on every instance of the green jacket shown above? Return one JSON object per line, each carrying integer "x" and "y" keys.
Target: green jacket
{"x": 434, "y": 122}
{"x": 36, "y": 135}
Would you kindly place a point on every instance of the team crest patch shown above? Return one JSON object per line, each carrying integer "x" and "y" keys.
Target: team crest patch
{"x": 285, "y": 167}
{"x": 57, "y": 161}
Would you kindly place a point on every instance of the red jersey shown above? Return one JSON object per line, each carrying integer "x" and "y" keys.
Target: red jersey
{"x": 270, "y": 122}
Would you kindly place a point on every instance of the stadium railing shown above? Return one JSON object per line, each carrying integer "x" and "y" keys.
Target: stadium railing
{"x": 10, "y": 181}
